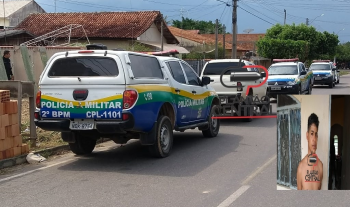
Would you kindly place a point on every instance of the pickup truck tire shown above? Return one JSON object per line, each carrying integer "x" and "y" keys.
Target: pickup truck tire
{"x": 82, "y": 145}
{"x": 164, "y": 140}
{"x": 213, "y": 124}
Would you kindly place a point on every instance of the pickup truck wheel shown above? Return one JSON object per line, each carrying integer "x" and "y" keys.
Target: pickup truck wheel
{"x": 164, "y": 140}
{"x": 82, "y": 145}
{"x": 214, "y": 124}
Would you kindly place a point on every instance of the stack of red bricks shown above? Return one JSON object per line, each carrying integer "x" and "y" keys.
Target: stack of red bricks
{"x": 10, "y": 138}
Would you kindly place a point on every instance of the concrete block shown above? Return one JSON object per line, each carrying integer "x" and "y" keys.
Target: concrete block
{"x": 5, "y": 120}
{"x": 8, "y": 131}
{"x": 25, "y": 149}
{"x": 2, "y": 133}
{"x": 2, "y": 109}
{"x": 2, "y": 145}
{"x": 9, "y": 153}
{"x": 15, "y": 130}
{"x": 17, "y": 151}
{"x": 17, "y": 141}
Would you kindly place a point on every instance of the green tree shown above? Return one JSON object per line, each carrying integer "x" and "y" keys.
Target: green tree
{"x": 277, "y": 48}
{"x": 302, "y": 40}
{"x": 205, "y": 27}
{"x": 343, "y": 52}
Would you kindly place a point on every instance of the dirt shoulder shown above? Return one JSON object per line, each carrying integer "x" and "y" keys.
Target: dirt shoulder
{"x": 45, "y": 139}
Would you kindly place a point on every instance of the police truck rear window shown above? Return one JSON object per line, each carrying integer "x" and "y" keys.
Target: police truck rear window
{"x": 218, "y": 68}
{"x": 84, "y": 66}
{"x": 320, "y": 67}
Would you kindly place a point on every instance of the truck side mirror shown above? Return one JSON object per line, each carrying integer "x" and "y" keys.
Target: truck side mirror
{"x": 206, "y": 81}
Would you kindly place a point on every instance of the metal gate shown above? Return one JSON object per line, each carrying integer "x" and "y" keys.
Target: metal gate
{"x": 288, "y": 146}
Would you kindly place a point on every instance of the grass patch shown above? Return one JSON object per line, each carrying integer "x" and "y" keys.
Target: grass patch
{"x": 344, "y": 73}
{"x": 45, "y": 139}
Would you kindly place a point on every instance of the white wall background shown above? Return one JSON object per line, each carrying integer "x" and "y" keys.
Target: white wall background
{"x": 152, "y": 34}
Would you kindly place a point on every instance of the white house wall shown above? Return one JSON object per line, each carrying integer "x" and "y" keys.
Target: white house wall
{"x": 23, "y": 12}
{"x": 151, "y": 35}
{"x": 2, "y": 22}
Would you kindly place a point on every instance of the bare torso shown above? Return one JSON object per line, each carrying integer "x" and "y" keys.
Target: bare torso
{"x": 310, "y": 177}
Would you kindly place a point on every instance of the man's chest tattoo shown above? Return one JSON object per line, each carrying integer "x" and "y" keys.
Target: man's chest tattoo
{"x": 312, "y": 176}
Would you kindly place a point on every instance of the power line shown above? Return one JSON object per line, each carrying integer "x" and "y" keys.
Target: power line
{"x": 222, "y": 13}
{"x": 259, "y": 12}
{"x": 255, "y": 15}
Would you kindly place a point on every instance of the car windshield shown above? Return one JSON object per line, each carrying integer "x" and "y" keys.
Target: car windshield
{"x": 320, "y": 67}
{"x": 283, "y": 70}
{"x": 218, "y": 68}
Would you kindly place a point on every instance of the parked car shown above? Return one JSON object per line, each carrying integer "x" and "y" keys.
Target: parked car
{"x": 323, "y": 72}
{"x": 289, "y": 76}
{"x": 215, "y": 68}
{"x": 123, "y": 95}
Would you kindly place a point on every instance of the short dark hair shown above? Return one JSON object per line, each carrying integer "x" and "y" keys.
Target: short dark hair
{"x": 313, "y": 119}
{"x": 6, "y": 52}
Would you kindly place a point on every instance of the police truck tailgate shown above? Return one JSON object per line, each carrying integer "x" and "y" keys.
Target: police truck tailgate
{"x": 93, "y": 89}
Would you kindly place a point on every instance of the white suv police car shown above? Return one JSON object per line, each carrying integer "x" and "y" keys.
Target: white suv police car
{"x": 324, "y": 73}
{"x": 289, "y": 76}
{"x": 123, "y": 95}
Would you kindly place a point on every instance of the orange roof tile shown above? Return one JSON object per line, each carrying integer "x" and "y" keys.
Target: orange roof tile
{"x": 98, "y": 24}
{"x": 188, "y": 34}
{"x": 245, "y": 41}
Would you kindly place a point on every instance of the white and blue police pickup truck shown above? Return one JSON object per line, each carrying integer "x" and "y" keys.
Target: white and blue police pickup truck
{"x": 324, "y": 72}
{"x": 288, "y": 76}
{"x": 123, "y": 95}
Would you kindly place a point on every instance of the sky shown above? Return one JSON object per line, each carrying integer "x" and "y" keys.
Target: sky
{"x": 256, "y": 15}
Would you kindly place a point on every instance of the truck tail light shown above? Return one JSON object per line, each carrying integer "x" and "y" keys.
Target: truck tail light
{"x": 125, "y": 117}
{"x": 239, "y": 86}
{"x": 36, "y": 115}
{"x": 38, "y": 99}
{"x": 129, "y": 98}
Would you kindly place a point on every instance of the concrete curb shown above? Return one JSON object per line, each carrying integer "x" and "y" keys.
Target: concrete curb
{"x": 22, "y": 158}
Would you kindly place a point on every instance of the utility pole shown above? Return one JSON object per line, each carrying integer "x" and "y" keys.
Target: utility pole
{"x": 216, "y": 39}
{"x": 307, "y": 21}
{"x": 161, "y": 33}
{"x": 285, "y": 16}
{"x": 223, "y": 38}
{"x": 55, "y": 6}
{"x": 182, "y": 20}
{"x": 234, "y": 29}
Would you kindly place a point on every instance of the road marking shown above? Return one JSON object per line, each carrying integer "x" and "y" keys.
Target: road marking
{"x": 234, "y": 196}
{"x": 31, "y": 171}
{"x": 255, "y": 173}
{"x": 244, "y": 186}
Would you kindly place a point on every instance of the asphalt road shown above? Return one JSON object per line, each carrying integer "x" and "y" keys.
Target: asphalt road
{"x": 200, "y": 171}
{"x": 237, "y": 168}
{"x": 343, "y": 87}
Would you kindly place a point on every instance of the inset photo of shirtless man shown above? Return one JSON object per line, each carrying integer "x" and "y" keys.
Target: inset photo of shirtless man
{"x": 313, "y": 142}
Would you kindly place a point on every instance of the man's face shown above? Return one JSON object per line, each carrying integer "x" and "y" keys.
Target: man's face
{"x": 312, "y": 136}
{"x": 7, "y": 55}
